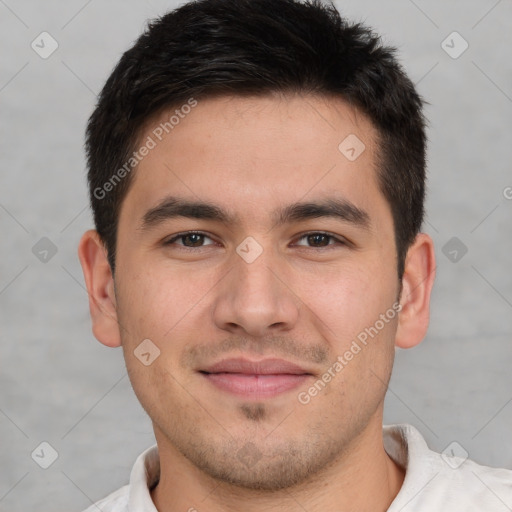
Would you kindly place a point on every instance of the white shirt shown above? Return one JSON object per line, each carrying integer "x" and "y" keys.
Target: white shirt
{"x": 433, "y": 482}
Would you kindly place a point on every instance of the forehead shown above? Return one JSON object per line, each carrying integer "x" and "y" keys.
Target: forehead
{"x": 253, "y": 154}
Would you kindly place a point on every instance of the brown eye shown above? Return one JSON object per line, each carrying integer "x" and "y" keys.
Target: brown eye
{"x": 194, "y": 239}
{"x": 188, "y": 240}
{"x": 319, "y": 240}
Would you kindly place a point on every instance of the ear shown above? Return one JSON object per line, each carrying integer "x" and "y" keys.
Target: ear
{"x": 100, "y": 287}
{"x": 417, "y": 282}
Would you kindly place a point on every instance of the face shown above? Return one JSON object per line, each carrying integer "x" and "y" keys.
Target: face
{"x": 259, "y": 315}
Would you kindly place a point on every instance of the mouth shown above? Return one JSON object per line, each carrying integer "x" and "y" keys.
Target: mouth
{"x": 255, "y": 379}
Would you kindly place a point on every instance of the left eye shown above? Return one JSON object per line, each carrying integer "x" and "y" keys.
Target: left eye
{"x": 194, "y": 238}
{"x": 319, "y": 239}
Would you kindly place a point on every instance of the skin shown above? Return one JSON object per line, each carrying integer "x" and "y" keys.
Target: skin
{"x": 304, "y": 300}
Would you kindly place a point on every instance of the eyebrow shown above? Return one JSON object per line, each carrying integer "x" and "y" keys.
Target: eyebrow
{"x": 172, "y": 207}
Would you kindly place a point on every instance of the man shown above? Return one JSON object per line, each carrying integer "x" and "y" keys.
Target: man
{"x": 257, "y": 176}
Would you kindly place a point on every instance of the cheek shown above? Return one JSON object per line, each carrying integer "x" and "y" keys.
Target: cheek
{"x": 349, "y": 299}
{"x": 153, "y": 302}
{"x": 357, "y": 308}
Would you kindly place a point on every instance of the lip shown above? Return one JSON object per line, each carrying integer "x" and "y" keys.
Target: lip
{"x": 262, "y": 367}
{"x": 255, "y": 379}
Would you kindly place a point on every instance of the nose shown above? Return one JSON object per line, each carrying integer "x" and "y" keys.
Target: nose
{"x": 256, "y": 298}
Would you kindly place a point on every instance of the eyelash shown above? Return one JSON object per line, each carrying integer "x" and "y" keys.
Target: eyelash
{"x": 176, "y": 237}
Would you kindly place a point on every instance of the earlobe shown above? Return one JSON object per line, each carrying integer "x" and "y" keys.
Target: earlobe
{"x": 100, "y": 287}
{"x": 417, "y": 283}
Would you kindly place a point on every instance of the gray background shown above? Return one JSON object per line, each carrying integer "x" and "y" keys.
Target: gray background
{"x": 59, "y": 385}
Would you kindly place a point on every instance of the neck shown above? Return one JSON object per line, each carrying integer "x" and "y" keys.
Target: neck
{"x": 365, "y": 478}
